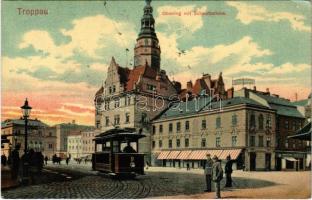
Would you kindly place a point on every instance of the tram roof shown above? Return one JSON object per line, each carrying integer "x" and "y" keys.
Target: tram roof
{"x": 120, "y": 134}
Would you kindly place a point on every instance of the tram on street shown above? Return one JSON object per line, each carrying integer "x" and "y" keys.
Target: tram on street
{"x": 116, "y": 152}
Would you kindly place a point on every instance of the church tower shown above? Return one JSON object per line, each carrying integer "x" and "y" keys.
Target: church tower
{"x": 147, "y": 49}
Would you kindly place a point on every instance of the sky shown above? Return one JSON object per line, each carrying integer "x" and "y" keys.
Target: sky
{"x": 58, "y": 61}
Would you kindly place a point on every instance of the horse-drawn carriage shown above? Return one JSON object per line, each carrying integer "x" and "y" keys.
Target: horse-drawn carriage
{"x": 116, "y": 152}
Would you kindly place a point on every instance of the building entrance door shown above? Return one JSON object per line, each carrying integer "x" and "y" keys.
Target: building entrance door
{"x": 252, "y": 161}
{"x": 268, "y": 161}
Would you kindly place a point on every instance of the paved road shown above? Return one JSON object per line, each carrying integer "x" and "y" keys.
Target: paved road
{"x": 78, "y": 181}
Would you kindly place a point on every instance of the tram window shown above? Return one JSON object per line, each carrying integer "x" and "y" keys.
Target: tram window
{"x": 107, "y": 144}
{"x": 124, "y": 144}
{"x": 115, "y": 146}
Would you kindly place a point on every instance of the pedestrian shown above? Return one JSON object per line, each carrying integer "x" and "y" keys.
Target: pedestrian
{"x": 67, "y": 160}
{"x": 147, "y": 164}
{"x": 217, "y": 175}
{"x": 46, "y": 160}
{"x": 3, "y": 160}
{"x": 228, "y": 171}
{"x": 187, "y": 166}
{"x": 40, "y": 161}
{"x": 15, "y": 162}
{"x": 208, "y": 173}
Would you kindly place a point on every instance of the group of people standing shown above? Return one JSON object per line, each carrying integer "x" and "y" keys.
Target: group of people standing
{"x": 214, "y": 172}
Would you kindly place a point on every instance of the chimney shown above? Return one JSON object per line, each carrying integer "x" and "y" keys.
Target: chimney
{"x": 230, "y": 93}
{"x": 189, "y": 86}
{"x": 268, "y": 90}
{"x": 74, "y": 121}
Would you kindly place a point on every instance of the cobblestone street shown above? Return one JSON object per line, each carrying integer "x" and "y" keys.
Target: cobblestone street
{"x": 80, "y": 182}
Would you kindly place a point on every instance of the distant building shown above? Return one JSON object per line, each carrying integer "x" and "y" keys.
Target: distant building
{"x": 62, "y": 132}
{"x": 14, "y": 129}
{"x": 74, "y": 144}
{"x": 88, "y": 145}
{"x": 304, "y": 107}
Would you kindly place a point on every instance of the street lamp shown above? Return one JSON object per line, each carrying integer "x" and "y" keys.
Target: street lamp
{"x": 26, "y": 112}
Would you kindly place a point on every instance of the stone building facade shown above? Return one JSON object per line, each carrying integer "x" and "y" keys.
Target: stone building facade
{"x": 40, "y": 136}
{"x": 74, "y": 144}
{"x": 187, "y": 134}
{"x": 88, "y": 145}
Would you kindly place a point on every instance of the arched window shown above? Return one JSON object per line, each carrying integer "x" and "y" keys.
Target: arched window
{"x": 260, "y": 119}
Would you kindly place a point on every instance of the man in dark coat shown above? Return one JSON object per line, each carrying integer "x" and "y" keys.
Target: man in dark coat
{"x": 3, "y": 160}
{"x": 128, "y": 148}
{"x": 217, "y": 175}
{"x": 15, "y": 162}
{"x": 228, "y": 171}
{"x": 208, "y": 173}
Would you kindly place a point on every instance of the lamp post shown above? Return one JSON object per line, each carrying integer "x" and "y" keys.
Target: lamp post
{"x": 26, "y": 112}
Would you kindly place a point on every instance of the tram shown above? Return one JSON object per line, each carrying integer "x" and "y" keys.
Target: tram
{"x": 116, "y": 152}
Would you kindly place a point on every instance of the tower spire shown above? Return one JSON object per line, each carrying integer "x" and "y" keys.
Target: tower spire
{"x": 147, "y": 47}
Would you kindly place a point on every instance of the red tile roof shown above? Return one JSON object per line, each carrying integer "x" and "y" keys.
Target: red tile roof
{"x": 135, "y": 73}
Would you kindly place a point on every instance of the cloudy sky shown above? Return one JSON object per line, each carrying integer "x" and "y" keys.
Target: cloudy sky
{"x": 60, "y": 60}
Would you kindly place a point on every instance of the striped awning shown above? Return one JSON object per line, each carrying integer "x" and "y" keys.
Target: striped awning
{"x": 163, "y": 155}
{"x": 173, "y": 154}
{"x": 214, "y": 153}
{"x": 232, "y": 152}
{"x": 198, "y": 155}
{"x": 184, "y": 155}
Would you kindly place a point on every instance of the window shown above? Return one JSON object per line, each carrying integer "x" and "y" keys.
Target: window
{"x": 127, "y": 118}
{"x": 203, "y": 124}
{"x": 154, "y": 130}
{"x": 260, "y": 141}
{"x": 170, "y": 144}
{"x": 117, "y": 103}
{"x": 114, "y": 88}
{"x": 151, "y": 87}
{"x": 234, "y": 140}
{"x": 252, "y": 121}
{"x": 160, "y": 128}
{"x": 203, "y": 142}
{"x": 260, "y": 120}
{"x": 187, "y": 126}
{"x": 128, "y": 100}
{"x": 218, "y": 122}
{"x": 178, "y": 127}
{"x": 186, "y": 142}
{"x": 286, "y": 124}
{"x": 234, "y": 120}
{"x": 170, "y": 128}
{"x": 160, "y": 143}
{"x": 50, "y": 146}
{"x": 106, "y": 121}
{"x": 106, "y": 105}
{"x": 252, "y": 141}
{"x": 98, "y": 124}
{"x": 116, "y": 119}
{"x": 50, "y": 134}
{"x": 218, "y": 141}
{"x": 110, "y": 90}
{"x": 153, "y": 144}
{"x": 268, "y": 141}
{"x": 269, "y": 121}
{"x": 178, "y": 142}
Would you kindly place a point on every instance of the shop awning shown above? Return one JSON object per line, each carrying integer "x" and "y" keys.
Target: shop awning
{"x": 198, "y": 155}
{"x": 184, "y": 155}
{"x": 215, "y": 153}
{"x": 234, "y": 153}
{"x": 290, "y": 159}
{"x": 173, "y": 154}
{"x": 163, "y": 155}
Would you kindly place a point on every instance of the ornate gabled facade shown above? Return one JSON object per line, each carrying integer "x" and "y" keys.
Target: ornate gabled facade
{"x": 204, "y": 86}
{"x": 131, "y": 97}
